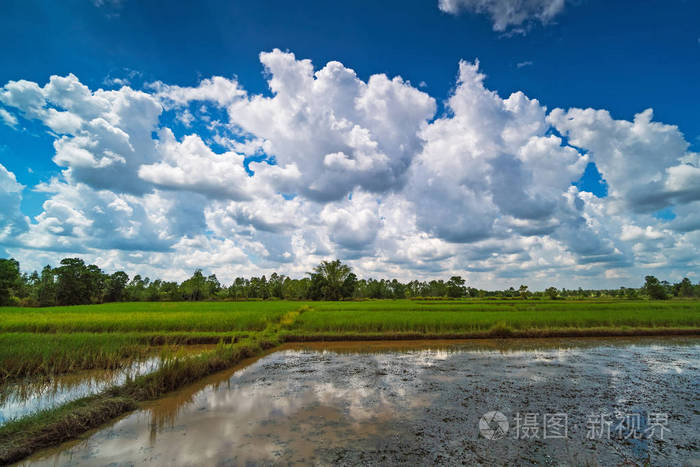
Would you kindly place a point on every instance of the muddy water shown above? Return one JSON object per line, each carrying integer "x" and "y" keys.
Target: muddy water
{"x": 25, "y": 397}
{"x": 421, "y": 403}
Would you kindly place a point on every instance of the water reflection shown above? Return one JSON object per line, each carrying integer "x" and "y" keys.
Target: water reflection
{"x": 403, "y": 403}
{"x": 25, "y": 397}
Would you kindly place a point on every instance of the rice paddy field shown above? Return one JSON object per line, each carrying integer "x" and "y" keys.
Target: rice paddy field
{"x": 146, "y": 317}
{"x": 45, "y": 342}
{"x": 369, "y": 316}
{"x": 435, "y": 317}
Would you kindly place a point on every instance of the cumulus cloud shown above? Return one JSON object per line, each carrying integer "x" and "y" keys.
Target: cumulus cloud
{"x": 7, "y": 118}
{"x": 480, "y": 161}
{"x": 330, "y": 165}
{"x": 77, "y": 217}
{"x": 507, "y": 13}
{"x": 12, "y": 221}
{"x": 365, "y": 132}
{"x": 192, "y": 165}
{"x": 354, "y": 224}
{"x": 646, "y": 164}
{"x": 217, "y": 89}
{"x": 102, "y": 137}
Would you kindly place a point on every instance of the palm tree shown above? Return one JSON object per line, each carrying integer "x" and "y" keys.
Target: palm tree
{"x": 333, "y": 274}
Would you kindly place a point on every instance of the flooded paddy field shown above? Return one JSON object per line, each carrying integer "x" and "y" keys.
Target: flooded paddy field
{"x": 549, "y": 401}
{"x": 30, "y": 395}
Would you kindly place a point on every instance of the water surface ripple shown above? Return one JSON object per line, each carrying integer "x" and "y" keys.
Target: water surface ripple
{"x": 416, "y": 404}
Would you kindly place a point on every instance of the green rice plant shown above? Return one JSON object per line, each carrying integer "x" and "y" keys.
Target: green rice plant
{"x": 19, "y": 438}
{"x": 152, "y": 317}
{"x": 54, "y": 340}
{"x": 27, "y": 354}
{"x": 470, "y": 316}
{"x": 62, "y": 339}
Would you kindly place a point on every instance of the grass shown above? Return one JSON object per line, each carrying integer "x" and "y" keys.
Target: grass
{"x": 27, "y": 354}
{"x": 20, "y": 438}
{"x": 365, "y": 316}
{"x": 509, "y": 305}
{"x": 52, "y": 340}
{"x": 146, "y": 317}
{"x": 450, "y": 317}
{"x": 45, "y": 341}
{"x": 24, "y": 354}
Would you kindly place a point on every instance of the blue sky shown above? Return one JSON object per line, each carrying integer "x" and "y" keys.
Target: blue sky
{"x": 623, "y": 57}
{"x": 613, "y": 55}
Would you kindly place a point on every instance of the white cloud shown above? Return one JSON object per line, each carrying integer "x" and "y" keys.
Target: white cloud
{"x": 7, "y": 118}
{"x": 353, "y": 224}
{"x": 488, "y": 158}
{"x": 103, "y": 136}
{"x": 118, "y": 82}
{"x": 366, "y": 133}
{"x": 186, "y": 117}
{"x": 192, "y": 165}
{"x": 12, "y": 221}
{"x": 355, "y": 169}
{"x": 101, "y": 3}
{"x": 507, "y": 13}
{"x": 646, "y": 164}
{"x": 77, "y": 217}
{"x": 217, "y": 89}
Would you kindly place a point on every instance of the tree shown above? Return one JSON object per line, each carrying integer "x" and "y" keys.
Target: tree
{"x": 349, "y": 285}
{"x": 552, "y": 293}
{"x": 685, "y": 288}
{"x": 239, "y": 288}
{"x": 136, "y": 290}
{"x": 258, "y": 287}
{"x": 153, "y": 290}
{"x": 195, "y": 287}
{"x": 275, "y": 285}
{"x": 78, "y": 284}
{"x": 46, "y": 293}
{"x": 668, "y": 288}
{"x": 333, "y": 275}
{"x": 398, "y": 290}
{"x": 436, "y": 288}
{"x": 631, "y": 294}
{"x": 171, "y": 291}
{"x": 316, "y": 287}
{"x": 213, "y": 286}
{"x": 523, "y": 291}
{"x": 456, "y": 287}
{"x": 32, "y": 283}
{"x": 9, "y": 280}
{"x": 116, "y": 287}
{"x": 654, "y": 289}
{"x": 378, "y": 288}
{"x": 264, "y": 291}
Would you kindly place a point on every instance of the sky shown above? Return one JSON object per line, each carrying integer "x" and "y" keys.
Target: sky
{"x": 546, "y": 142}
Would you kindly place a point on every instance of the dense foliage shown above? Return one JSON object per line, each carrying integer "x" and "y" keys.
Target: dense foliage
{"x": 77, "y": 283}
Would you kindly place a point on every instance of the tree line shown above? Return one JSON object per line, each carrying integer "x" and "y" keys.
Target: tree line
{"x": 74, "y": 282}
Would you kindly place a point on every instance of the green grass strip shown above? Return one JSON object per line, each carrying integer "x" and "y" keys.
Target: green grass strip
{"x": 22, "y": 437}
